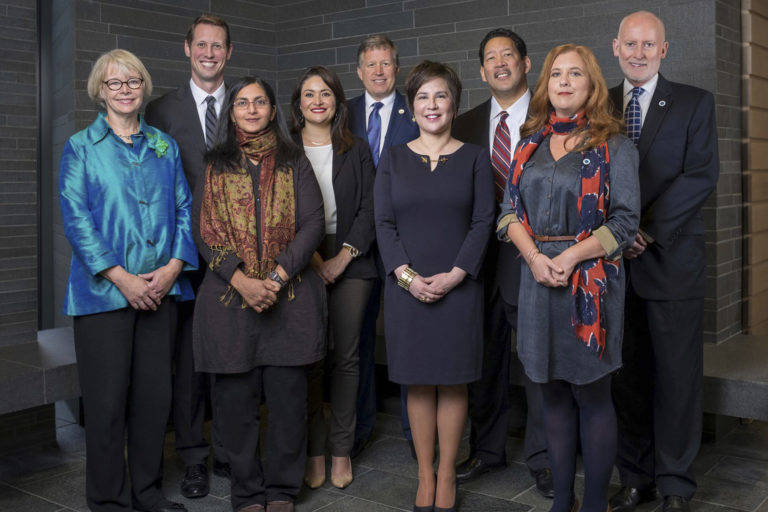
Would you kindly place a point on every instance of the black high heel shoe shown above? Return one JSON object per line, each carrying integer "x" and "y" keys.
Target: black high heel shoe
{"x": 455, "y": 502}
{"x": 423, "y": 509}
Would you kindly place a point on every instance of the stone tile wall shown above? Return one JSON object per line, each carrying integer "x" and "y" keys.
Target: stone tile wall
{"x": 18, "y": 171}
{"x": 279, "y": 39}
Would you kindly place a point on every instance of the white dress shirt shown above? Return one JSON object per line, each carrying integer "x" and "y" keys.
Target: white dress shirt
{"x": 202, "y": 105}
{"x": 518, "y": 111}
{"x": 385, "y": 112}
{"x": 644, "y": 99}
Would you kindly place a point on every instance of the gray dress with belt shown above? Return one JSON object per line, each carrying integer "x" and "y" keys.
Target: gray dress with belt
{"x": 546, "y": 341}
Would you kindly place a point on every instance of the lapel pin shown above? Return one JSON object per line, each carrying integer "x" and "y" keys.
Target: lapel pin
{"x": 662, "y": 103}
{"x": 401, "y": 111}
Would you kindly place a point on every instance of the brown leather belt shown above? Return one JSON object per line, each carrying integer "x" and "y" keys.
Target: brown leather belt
{"x": 563, "y": 238}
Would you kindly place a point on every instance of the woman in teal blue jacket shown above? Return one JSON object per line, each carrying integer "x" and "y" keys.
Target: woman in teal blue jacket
{"x": 125, "y": 208}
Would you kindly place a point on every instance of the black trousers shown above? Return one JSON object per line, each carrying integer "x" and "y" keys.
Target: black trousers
{"x": 489, "y": 408}
{"x": 124, "y": 365}
{"x": 189, "y": 391}
{"x": 238, "y": 397}
{"x": 658, "y": 394}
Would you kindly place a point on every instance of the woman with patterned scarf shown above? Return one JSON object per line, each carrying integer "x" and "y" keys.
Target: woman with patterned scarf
{"x": 572, "y": 206}
{"x": 260, "y": 316}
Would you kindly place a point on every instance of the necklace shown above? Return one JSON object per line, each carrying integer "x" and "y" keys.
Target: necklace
{"x": 323, "y": 142}
{"x": 429, "y": 151}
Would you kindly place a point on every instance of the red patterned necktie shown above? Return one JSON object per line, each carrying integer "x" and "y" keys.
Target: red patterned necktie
{"x": 501, "y": 156}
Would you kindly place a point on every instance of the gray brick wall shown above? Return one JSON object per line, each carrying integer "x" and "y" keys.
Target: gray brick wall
{"x": 279, "y": 39}
{"x": 704, "y": 51}
{"x": 18, "y": 171}
{"x": 84, "y": 29}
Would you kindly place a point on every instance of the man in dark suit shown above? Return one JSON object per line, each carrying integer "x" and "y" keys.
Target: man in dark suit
{"x": 189, "y": 115}
{"x": 495, "y": 124}
{"x": 658, "y": 391}
{"x": 380, "y": 116}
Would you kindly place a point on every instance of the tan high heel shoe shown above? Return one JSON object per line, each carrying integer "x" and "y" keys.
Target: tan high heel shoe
{"x": 312, "y": 478}
{"x": 342, "y": 481}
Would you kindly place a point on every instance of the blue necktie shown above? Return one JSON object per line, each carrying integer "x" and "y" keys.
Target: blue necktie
{"x": 633, "y": 116}
{"x": 374, "y": 131}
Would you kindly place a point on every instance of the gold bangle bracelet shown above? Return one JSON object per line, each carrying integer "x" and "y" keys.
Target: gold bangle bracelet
{"x": 406, "y": 277}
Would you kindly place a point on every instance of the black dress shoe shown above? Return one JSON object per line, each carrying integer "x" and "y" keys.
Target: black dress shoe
{"x": 474, "y": 467}
{"x": 195, "y": 482}
{"x": 360, "y": 445}
{"x": 676, "y": 503}
{"x": 630, "y": 497}
{"x": 222, "y": 469}
{"x": 544, "y": 483}
{"x": 164, "y": 506}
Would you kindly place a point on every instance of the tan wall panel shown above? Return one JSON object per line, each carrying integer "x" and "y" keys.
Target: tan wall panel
{"x": 756, "y": 93}
{"x": 757, "y": 308}
{"x": 757, "y": 217}
{"x": 756, "y": 61}
{"x": 757, "y": 122}
{"x": 759, "y": 329}
{"x": 756, "y": 29}
{"x": 756, "y": 279}
{"x": 757, "y": 154}
{"x": 756, "y": 186}
{"x": 758, "y": 6}
{"x": 757, "y": 248}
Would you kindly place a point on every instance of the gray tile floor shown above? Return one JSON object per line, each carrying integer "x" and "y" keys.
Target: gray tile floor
{"x": 732, "y": 475}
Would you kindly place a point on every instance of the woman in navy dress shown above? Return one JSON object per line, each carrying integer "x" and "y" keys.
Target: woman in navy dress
{"x": 433, "y": 203}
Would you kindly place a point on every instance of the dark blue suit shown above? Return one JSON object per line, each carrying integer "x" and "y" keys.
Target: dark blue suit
{"x": 401, "y": 129}
{"x": 658, "y": 391}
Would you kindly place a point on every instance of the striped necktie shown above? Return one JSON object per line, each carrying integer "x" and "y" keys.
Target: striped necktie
{"x": 374, "y": 132}
{"x": 501, "y": 156}
{"x": 210, "y": 122}
{"x": 633, "y": 116}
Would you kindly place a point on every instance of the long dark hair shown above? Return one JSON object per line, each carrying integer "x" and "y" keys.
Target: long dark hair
{"x": 341, "y": 136}
{"x": 226, "y": 154}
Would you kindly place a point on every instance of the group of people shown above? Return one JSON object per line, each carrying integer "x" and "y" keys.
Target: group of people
{"x": 220, "y": 247}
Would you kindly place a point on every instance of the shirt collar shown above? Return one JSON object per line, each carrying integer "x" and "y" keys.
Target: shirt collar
{"x": 99, "y": 129}
{"x": 388, "y": 101}
{"x": 649, "y": 87}
{"x": 518, "y": 109}
{"x": 200, "y": 94}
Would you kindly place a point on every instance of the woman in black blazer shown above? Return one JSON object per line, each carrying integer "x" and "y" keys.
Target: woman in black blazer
{"x": 344, "y": 169}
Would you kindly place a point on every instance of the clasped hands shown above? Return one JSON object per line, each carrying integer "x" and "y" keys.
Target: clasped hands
{"x": 259, "y": 294}
{"x": 435, "y": 287}
{"x": 145, "y": 291}
{"x": 552, "y": 272}
{"x": 329, "y": 270}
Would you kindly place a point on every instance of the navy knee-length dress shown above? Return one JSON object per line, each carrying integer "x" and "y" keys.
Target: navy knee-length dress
{"x": 434, "y": 220}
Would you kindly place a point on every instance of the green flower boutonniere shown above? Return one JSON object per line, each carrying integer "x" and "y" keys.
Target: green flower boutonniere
{"x": 159, "y": 145}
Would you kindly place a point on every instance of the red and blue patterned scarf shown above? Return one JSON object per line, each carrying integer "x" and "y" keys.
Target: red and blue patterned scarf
{"x": 590, "y": 277}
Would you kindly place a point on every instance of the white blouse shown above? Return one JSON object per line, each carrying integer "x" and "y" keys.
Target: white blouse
{"x": 321, "y": 158}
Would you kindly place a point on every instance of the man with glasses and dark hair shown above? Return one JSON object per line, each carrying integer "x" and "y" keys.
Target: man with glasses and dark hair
{"x": 189, "y": 114}
{"x": 495, "y": 124}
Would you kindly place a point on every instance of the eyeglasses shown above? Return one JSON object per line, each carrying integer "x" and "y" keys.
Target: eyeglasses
{"x": 243, "y": 103}
{"x": 116, "y": 85}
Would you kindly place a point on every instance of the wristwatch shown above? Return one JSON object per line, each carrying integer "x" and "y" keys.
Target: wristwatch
{"x": 276, "y": 278}
{"x": 352, "y": 251}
